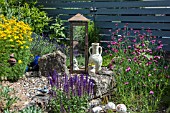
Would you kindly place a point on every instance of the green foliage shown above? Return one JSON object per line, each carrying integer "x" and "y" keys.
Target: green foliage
{"x": 40, "y": 46}
{"x": 93, "y": 33}
{"x": 15, "y": 38}
{"x": 57, "y": 29}
{"x": 106, "y": 60}
{"x": 6, "y": 100}
{"x": 142, "y": 73}
{"x": 72, "y": 104}
{"x": 31, "y": 109}
{"x": 25, "y": 12}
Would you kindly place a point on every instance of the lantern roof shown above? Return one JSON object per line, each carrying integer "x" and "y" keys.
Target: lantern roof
{"x": 78, "y": 18}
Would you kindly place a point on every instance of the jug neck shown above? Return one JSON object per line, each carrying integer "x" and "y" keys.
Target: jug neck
{"x": 95, "y": 48}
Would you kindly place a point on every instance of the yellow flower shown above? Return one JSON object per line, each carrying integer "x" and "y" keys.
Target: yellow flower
{"x": 26, "y": 47}
{"x": 21, "y": 47}
{"x": 30, "y": 39}
{"x": 11, "y": 40}
{"x": 19, "y": 61}
{"x": 16, "y": 37}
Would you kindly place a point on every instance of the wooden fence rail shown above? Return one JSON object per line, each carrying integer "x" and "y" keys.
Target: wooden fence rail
{"x": 153, "y": 14}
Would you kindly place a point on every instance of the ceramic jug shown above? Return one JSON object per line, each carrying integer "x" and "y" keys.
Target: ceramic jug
{"x": 95, "y": 56}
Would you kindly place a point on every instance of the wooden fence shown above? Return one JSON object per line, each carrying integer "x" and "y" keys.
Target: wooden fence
{"x": 153, "y": 14}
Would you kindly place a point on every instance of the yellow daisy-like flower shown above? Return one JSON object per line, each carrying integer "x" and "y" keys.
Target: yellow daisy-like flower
{"x": 11, "y": 40}
{"x": 21, "y": 47}
{"x": 26, "y": 47}
{"x": 20, "y": 61}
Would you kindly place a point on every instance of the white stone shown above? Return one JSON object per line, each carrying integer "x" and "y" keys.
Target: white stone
{"x": 121, "y": 108}
{"x": 97, "y": 109}
{"x": 110, "y": 105}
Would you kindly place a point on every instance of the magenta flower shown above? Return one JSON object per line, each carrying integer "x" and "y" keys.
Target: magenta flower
{"x": 153, "y": 41}
{"x": 129, "y": 47}
{"x": 108, "y": 46}
{"x": 149, "y": 75}
{"x": 157, "y": 57}
{"x": 120, "y": 39}
{"x": 105, "y": 51}
{"x": 151, "y": 92}
{"x": 113, "y": 43}
{"x": 126, "y": 83}
{"x": 128, "y": 69}
{"x": 160, "y": 46}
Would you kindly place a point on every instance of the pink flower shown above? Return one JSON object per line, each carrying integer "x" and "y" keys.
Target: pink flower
{"x": 108, "y": 46}
{"x": 165, "y": 67}
{"x": 153, "y": 41}
{"x": 157, "y": 57}
{"x": 129, "y": 47}
{"x": 116, "y": 50}
{"x": 120, "y": 39}
{"x": 151, "y": 92}
{"x": 126, "y": 83}
{"x": 149, "y": 75}
{"x": 105, "y": 51}
{"x": 143, "y": 45}
{"x": 113, "y": 43}
{"x": 160, "y": 46}
{"x": 128, "y": 69}
{"x": 125, "y": 50}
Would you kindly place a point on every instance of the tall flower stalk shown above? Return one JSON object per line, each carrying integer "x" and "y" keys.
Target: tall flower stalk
{"x": 138, "y": 61}
{"x": 70, "y": 94}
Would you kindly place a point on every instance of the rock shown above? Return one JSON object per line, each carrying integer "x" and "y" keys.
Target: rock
{"x": 95, "y": 102}
{"x": 103, "y": 84}
{"x": 121, "y": 108}
{"x": 53, "y": 61}
{"x": 97, "y": 109}
{"x": 110, "y": 105}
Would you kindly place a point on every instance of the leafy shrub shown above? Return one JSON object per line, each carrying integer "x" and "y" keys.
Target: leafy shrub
{"x": 15, "y": 38}
{"x": 141, "y": 71}
{"x": 41, "y": 46}
{"x": 57, "y": 29}
{"x": 25, "y": 12}
{"x": 6, "y": 100}
{"x": 93, "y": 33}
{"x": 69, "y": 94}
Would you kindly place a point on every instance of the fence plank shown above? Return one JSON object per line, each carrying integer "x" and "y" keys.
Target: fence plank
{"x": 133, "y": 18}
{"x": 134, "y": 25}
{"x": 134, "y": 11}
{"x": 105, "y": 4}
{"x": 66, "y": 11}
{"x": 67, "y": 5}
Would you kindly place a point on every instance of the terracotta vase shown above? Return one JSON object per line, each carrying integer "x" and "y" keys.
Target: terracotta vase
{"x": 95, "y": 56}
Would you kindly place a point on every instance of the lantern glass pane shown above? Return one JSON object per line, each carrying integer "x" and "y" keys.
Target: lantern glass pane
{"x": 78, "y": 47}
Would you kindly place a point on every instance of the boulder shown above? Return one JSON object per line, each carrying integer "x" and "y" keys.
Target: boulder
{"x": 104, "y": 83}
{"x": 53, "y": 61}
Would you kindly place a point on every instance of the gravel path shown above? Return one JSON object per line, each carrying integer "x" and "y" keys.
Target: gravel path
{"x": 25, "y": 89}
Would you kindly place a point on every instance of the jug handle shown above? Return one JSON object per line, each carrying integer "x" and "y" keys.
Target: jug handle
{"x": 100, "y": 52}
{"x": 89, "y": 50}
